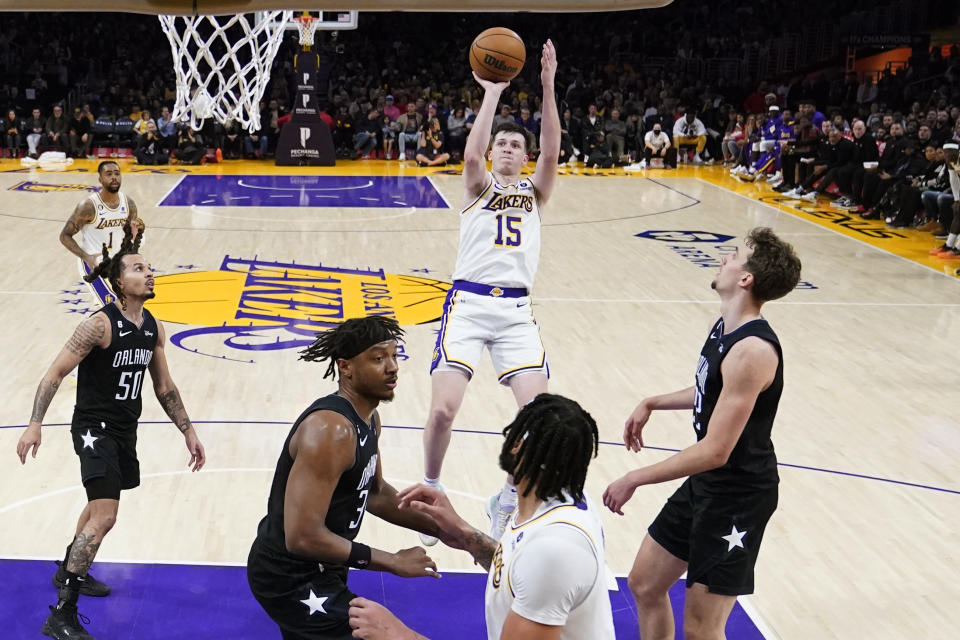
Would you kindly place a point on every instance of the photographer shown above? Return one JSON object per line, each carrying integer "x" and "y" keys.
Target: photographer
{"x": 150, "y": 149}
{"x": 189, "y": 150}
{"x": 430, "y": 153}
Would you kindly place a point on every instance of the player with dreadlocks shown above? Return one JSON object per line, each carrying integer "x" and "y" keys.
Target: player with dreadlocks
{"x": 112, "y": 348}
{"x": 547, "y": 576}
{"x": 327, "y": 477}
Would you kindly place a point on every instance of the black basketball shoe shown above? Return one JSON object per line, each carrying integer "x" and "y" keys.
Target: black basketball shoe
{"x": 90, "y": 586}
{"x": 63, "y": 623}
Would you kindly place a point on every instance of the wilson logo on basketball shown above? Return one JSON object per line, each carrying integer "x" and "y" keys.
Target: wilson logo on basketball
{"x": 497, "y": 63}
{"x": 260, "y": 305}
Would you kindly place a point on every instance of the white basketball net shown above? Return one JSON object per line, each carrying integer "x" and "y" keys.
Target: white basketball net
{"x": 307, "y": 27}
{"x": 223, "y": 69}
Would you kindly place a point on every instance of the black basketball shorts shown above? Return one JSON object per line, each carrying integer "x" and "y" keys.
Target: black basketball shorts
{"x": 307, "y": 605}
{"x": 108, "y": 464}
{"x": 718, "y": 536}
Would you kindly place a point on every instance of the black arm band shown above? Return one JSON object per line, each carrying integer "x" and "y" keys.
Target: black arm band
{"x": 359, "y": 556}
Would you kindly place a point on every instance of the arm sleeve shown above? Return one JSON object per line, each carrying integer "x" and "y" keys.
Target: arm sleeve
{"x": 553, "y": 574}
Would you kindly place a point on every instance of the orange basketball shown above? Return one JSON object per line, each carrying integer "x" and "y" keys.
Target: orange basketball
{"x": 497, "y": 54}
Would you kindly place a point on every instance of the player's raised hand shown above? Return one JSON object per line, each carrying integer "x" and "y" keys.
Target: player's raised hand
{"x": 29, "y": 439}
{"x": 413, "y": 563}
{"x": 548, "y": 63}
{"x": 372, "y": 621}
{"x": 633, "y": 427}
{"x": 436, "y": 504}
{"x": 490, "y": 85}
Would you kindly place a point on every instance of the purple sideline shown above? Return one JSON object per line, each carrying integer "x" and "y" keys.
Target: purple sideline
{"x": 161, "y": 601}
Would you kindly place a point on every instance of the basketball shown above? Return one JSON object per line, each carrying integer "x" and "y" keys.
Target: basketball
{"x": 497, "y": 54}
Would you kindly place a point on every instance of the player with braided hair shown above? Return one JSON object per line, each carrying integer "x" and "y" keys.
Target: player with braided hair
{"x": 547, "y": 577}
{"x": 112, "y": 348}
{"x": 328, "y": 476}
{"x": 110, "y": 267}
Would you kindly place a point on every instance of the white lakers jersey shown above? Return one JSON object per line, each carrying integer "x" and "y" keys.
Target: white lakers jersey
{"x": 500, "y": 236}
{"x": 106, "y": 227}
{"x": 552, "y": 570}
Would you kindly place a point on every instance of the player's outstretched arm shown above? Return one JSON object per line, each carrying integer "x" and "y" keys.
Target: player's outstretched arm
{"x": 633, "y": 427}
{"x": 545, "y": 175}
{"x": 747, "y": 370}
{"x": 475, "y": 150}
{"x": 169, "y": 397}
{"x": 92, "y": 332}
{"x": 83, "y": 214}
{"x": 451, "y": 528}
{"x": 323, "y": 448}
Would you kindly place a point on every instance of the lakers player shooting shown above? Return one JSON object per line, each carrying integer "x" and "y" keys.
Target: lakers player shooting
{"x": 546, "y": 575}
{"x": 712, "y": 526}
{"x": 99, "y": 218}
{"x": 113, "y": 348}
{"x": 328, "y": 476}
{"x": 489, "y": 303}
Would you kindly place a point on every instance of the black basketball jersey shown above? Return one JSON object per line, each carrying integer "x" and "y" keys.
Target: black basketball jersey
{"x": 110, "y": 381}
{"x": 752, "y": 465}
{"x": 349, "y": 500}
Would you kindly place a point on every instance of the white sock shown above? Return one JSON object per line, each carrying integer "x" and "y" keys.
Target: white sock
{"x": 951, "y": 240}
{"x": 433, "y": 483}
{"x": 508, "y": 495}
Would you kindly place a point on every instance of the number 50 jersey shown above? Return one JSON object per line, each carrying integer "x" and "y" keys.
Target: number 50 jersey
{"x": 109, "y": 381}
{"x": 500, "y": 236}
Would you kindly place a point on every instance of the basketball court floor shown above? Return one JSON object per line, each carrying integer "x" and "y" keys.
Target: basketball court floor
{"x": 253, "y": 259}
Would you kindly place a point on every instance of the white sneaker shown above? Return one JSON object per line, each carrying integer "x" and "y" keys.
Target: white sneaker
{"x": 793, "y": 193}
{"x": 401, "y": 158}
{"x": 777, "y": 177}
{"x": 636, "y": 166}
{"x": 697, "y": 159}
{"x": 810, "y": 196}
{"x": 499, "y": 516}
{"x": 427, "y": 540}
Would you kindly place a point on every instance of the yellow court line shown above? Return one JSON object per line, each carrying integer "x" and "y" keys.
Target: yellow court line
{"x": 909, "y": 243}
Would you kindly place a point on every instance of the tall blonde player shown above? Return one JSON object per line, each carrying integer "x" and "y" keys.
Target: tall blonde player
{"x": 489, "y": 303}
{"x": 99, "y": 220}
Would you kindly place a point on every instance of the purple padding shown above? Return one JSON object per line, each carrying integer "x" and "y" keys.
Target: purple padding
{"x": 160, "y": 602}
{"x": 305, "y": 191}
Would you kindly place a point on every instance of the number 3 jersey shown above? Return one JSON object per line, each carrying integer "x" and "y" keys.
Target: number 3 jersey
{"x": 500, "y": 236}
{"x": 109, "y": 381}
{"x": 348, "y": 502}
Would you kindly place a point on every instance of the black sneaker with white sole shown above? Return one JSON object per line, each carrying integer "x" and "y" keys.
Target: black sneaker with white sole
{"x": 89, "y": 586}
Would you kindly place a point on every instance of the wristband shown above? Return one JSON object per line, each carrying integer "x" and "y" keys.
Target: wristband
{"x": 359, "y": 556}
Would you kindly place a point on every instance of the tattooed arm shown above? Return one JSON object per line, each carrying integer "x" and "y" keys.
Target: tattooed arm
{"x": 82, "y": 215}
{"x": 169, "y": 397}
{"x": 92, "y": 332}
{"x": 452, "y": 529}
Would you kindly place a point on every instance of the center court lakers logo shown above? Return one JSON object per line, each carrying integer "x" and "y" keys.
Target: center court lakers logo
{"x": 258, "y": 305}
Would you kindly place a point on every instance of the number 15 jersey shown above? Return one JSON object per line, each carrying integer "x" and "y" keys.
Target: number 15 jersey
{"x": 500, "y": 236}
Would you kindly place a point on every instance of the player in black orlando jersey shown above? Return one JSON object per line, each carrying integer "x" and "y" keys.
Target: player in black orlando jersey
{"x": 712, "y": 526}
{"x": 328, "y": 476}
{"x": 113, "y": 348}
